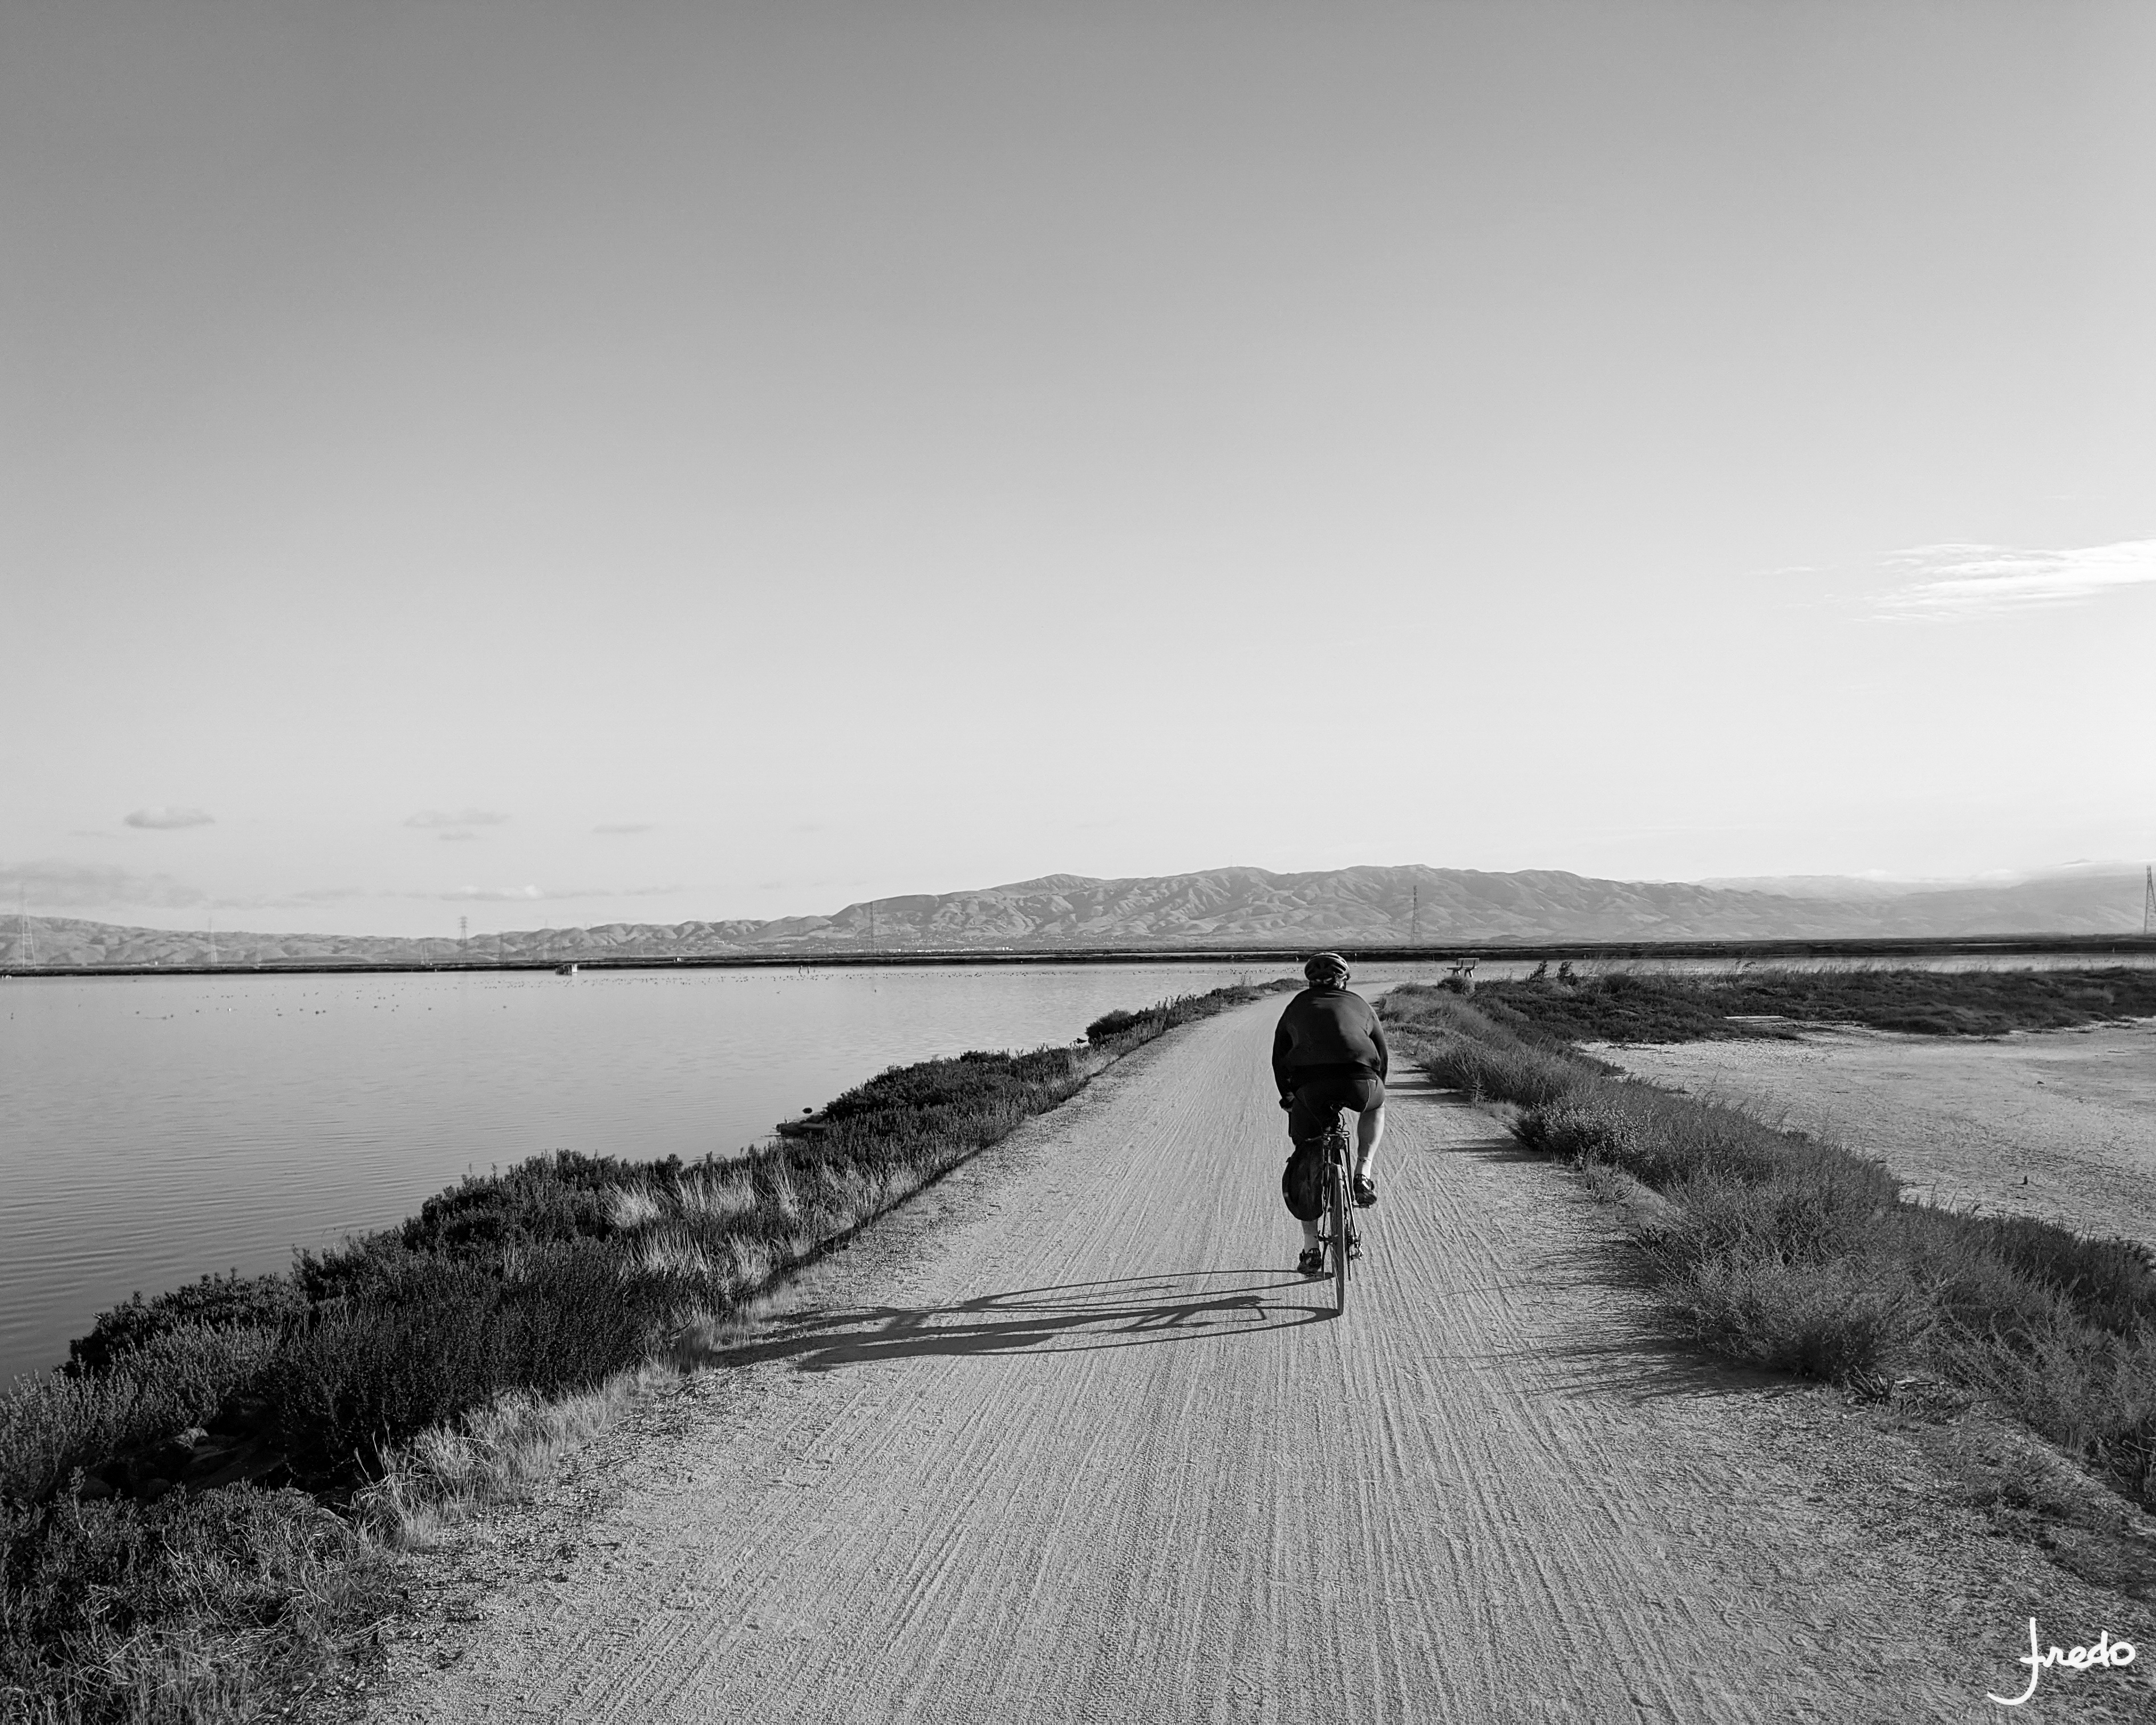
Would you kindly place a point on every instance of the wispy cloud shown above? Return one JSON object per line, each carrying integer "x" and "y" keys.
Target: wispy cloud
{"x": 461, "y": 818}
{"x": 56, "y": 884}
{"x": 458, "y": 836}
{"x": 500, "y": 893}
{"x": 159, "y": 819}
{"x": 1949, "y": 580}
{"x": 623, "y": 826}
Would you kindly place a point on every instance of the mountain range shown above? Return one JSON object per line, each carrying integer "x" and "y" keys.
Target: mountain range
{"x": 1366, "y": 905}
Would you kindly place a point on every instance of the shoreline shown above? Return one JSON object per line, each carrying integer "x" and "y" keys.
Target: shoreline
{"x": 2092, "y": 945}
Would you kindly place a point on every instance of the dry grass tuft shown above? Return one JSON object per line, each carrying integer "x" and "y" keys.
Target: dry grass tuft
{"x": 448, "y": 1474}
{"x": 628, "y": 1206}
{"x": 703, "y": 1193}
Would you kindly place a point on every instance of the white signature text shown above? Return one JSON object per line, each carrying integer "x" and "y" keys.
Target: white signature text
{"x": 2104, "y": 1652}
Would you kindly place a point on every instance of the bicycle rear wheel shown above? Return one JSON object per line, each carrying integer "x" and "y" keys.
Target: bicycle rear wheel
{"x": 1340, "y": 1201}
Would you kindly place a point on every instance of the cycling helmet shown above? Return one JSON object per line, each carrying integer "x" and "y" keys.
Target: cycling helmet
{"x": 1326, "y": 964}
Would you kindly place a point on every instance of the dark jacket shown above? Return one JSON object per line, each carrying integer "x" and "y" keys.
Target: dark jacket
{"x": 1328, "y": 1033}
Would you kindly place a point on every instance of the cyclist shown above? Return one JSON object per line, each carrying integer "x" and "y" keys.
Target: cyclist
{"x": 1329, "y": 1053}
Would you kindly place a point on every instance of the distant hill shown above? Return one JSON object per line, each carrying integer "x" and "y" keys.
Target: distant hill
{"x": 1363, "y": 906}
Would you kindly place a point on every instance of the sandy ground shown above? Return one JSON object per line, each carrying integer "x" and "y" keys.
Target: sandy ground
{"x": 1064, "y": 1442}
{"x": 2059, "y": 1124}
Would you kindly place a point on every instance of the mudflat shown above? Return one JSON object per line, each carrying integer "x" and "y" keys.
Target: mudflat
{"x": 1064, "y": 1440}
{"x": 2057, "y": 1124}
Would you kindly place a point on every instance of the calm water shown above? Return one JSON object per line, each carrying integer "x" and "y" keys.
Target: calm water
{"x": 152, "y": 1128}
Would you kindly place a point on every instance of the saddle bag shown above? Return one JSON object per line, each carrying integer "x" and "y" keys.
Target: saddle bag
{"x": 1302, "y": 1182}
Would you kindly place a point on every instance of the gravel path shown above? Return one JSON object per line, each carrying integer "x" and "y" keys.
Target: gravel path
{"x": 1065, "y": 1442}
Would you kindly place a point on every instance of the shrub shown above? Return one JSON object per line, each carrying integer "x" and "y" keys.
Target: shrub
{"x": 558, "y": 1196}
{"x": 1463, "y": 1047}
{"x": 53, "y": 1423}
{"x": 1848, "y": 1321}
{"x": 216, "y": 1302}
{"x": 1662, "y": 1140}
{"x": 1113, "y": 1023}
{"x": 970, "y": 1079}
{"x": 172, "y": 1611}
{"x": 2108, "y": 1283}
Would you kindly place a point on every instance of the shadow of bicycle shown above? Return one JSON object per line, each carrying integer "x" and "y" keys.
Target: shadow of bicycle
{"x": 1131, "y": 1312}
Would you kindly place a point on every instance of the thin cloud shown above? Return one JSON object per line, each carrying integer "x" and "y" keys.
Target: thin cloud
{"x": 1950, "y": 581}
{"x": 525, "y": 894}
{"x": 56, "y": 884}
{"x": 462, "y": 818}
{"x": 623, "y": 826}
{"x": 459, "y": 836}
{"x": 160, "y": 819}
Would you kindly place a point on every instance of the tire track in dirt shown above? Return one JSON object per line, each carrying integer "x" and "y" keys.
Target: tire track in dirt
{"x": 1078, "y": 1448}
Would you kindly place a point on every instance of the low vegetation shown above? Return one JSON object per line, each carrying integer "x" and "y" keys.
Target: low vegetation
{"x": 1784, "y": 1252}
{"x": 1639, "y": 1006}
{"x": 193, "y": 1508}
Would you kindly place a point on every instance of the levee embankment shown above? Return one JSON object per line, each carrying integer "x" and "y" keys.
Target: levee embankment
{"x": 1065, "y": 1440}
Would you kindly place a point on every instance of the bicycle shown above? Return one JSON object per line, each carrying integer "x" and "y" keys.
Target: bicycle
{"x": 1338, "y": 1232}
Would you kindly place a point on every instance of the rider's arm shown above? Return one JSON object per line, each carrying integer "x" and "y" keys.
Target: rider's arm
{"x": 1384, "y": 1054}
{"x": 1283, "y": 1046}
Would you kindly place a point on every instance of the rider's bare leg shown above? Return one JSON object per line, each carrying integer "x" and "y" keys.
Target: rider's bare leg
{"x": 1369, "y": 1131}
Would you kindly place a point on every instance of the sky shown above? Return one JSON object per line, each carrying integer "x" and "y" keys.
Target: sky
{"x": 553, "y": 464}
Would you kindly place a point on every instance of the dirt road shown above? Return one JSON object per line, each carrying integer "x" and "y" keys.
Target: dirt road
{"x": 1069, "y": 1444}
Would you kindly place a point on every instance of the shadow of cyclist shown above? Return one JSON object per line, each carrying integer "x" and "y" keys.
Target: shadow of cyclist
{"x": 1131, "y": 1312}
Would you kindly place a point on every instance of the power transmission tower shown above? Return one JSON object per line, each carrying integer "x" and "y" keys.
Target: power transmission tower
{"x": 212, "y": 937}
{"x": 2148, "y": 900}
{"x": 26, "y": 943}
{"x": 464, "y": 934}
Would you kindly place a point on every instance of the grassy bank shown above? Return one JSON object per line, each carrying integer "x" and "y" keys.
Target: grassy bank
{"x": 1780, "y": 1251}
{"x": 1643, "y": 1006}
{"x": 191, "y": 1512}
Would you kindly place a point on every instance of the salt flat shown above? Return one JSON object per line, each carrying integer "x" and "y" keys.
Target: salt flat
{"x": 2059, "y": 1124}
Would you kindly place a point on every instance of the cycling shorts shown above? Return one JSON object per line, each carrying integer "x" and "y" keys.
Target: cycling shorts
{"x": 1318, "y": 1103}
